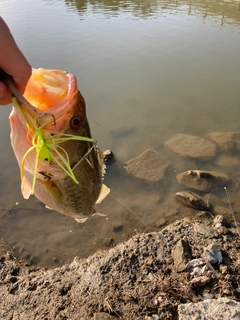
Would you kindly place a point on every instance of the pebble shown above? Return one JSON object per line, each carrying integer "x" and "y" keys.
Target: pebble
{"x": 160, "y": 222}
{"x": 210, "y": 309}
{"x": 213, "y": 254}
{"x": 196, "y": 267}
{"x": 181, "y": 254}
{"x": 205, "y": 230}
{"x": 152, "y": 317}
{"x": 218, "y": 221}
{"x": 201, "y": 281}
{"x": 108, "y": 241}
{"x": 103, "y": 316}
{"x": 223, "y": 269}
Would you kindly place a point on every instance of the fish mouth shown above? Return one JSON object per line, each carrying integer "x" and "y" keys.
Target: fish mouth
{"x": 48, "y": 93}
{"x": 48, "y": 89}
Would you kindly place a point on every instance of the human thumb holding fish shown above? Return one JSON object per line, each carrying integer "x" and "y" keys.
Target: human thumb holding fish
{"x": 12, "y": 62}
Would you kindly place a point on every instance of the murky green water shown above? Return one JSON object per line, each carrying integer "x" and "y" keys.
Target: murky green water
{"x": 147, "y": 70}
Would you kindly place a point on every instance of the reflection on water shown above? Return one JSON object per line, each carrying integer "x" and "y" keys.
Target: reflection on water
{"x": 226, "y": 11}
{"x": 148, "y": 70}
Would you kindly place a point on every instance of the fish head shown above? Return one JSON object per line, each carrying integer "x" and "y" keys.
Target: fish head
{"x": 67, "y": 176}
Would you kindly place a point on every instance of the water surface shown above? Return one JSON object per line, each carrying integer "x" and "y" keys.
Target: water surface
{"x": 147, "y": 71}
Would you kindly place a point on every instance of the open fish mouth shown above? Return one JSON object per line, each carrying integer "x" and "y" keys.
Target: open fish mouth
{"x": 48, "y": 88}
{"x": 48, "y": 96}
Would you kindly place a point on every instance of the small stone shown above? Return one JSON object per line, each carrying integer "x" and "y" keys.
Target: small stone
{"x": 108, "y": 241}
{"x": 108, "y": 155}
{"x": 223, "y": 269}
{"x": 181, "y": 254}
{"x": 223, "y": 230}
{"x": 197, "y": 267}
{"x": 200, "y": 281}
{"x": 207, "y": 295}
{"x": 218, "y": 221}
{"x": 103, "y": 316}
{"x": 205, "y": 230}
{"x": 152, "y": 317}
{"x": 227, "y": 292}
{"x": 213, "y": 254}
{"x": 160, "y": 222}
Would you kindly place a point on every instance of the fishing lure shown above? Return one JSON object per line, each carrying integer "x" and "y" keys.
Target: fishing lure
{"x": 47, "y": 145}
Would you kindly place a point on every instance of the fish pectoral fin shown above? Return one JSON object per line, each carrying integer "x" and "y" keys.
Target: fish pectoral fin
{"x": 103, "y": 193}
{"x": 26, "y": 188}
{"x": 81, "y": 220}
{"x": 47, "y": 207}
{"x": 99, "y": 214}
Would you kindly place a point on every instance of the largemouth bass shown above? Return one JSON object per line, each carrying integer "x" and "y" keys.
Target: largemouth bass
{"x": 60, "y": 163}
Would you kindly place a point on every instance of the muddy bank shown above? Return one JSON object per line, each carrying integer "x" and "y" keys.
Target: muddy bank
{"x": 134, "y": 280}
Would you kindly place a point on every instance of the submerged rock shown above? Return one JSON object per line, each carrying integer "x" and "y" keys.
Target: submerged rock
{"x": 149, "y": 166}
{"x": 192, "y": 200}
{"x": 202, "y": 180}
{"x": 226, "y": 141}
{"x": 226, "y": 160}
{"x": 191, "y": 146}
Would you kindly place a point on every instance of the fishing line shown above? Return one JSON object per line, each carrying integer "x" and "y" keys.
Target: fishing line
{"x": 229, "y": 205}
{"x": 231, "y": 210}
{"x": 129, "y": 209}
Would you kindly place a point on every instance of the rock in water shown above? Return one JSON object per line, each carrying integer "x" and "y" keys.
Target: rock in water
{"x": 191, "y": 199}
{"x": 191, "y": 146}
{"x": 226, "y": 141}
{"x": 202, "y": 180}
{"x": 149, "y": 166}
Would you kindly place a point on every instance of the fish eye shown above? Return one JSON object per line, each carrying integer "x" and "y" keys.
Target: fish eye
{"x": 76, "y": 122}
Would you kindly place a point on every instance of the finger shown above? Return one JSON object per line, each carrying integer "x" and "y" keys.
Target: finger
{"x": 21, "y": 75}
{"x": 4, "y": 95}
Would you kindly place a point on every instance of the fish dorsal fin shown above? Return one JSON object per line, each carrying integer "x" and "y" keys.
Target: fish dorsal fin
{"x": 103, "y": 193}
{"x": 26, "y": 188}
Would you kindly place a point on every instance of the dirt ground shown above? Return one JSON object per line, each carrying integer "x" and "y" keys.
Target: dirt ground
{"x": 134, "y": 280}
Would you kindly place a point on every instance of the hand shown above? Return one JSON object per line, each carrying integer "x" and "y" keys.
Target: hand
{"x": 13, "y": 62}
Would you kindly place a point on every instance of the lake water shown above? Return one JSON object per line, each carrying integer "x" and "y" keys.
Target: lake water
{"x": 147, "y": 70}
